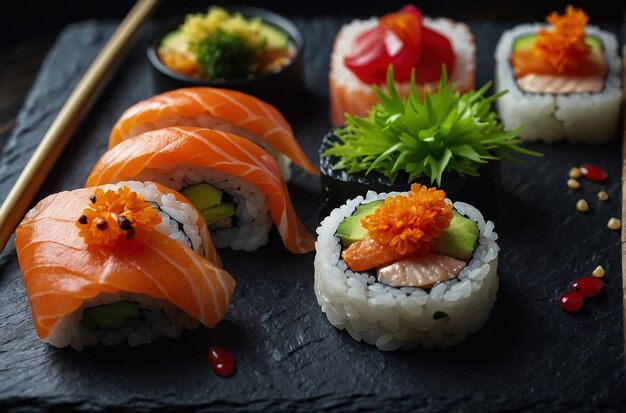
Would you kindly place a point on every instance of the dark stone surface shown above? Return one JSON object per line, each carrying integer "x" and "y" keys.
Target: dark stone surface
{"x": 529, "y": 356}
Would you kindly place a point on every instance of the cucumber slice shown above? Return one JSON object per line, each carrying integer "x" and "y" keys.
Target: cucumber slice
{"x": 175, "y": 41}
{"x": 111, "y": 315}
{"x": 527, "y": 41}
{"x": 218, "y": 212}
{"x": 203, "y": 196}
{"x": 276, "y": 38}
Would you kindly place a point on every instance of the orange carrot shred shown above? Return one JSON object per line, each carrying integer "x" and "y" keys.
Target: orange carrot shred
{"x": 112, "y": 214}
{"x": 563, "y": 47}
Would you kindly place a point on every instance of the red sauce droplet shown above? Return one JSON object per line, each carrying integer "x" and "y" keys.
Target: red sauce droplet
{"x": 588, "y": 286}
{"x": 222, "y": 361}
{"x": 571, "y": 302}
{"x": 593, "y": 172}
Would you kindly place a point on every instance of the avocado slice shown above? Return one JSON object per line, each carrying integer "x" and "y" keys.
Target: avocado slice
{"x": 175, "y": 41}
{"x": 110, "y": 315}
{"x": 276, "y": 38}
{"x": 218, "y": 212}
{"x": 350, "y": 229}
{"x": 203, "y": 196}
{"x": 459, "y": 239}
{"x": 527, "y": 41}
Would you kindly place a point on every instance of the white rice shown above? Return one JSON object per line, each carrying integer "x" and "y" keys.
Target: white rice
{"x": 213, "y": 122}
{"x": 172, "y": 212}
{"x": 253, "y": 219}
{"x": 578, "y": 117}
{"x": 159, "y": 318}
{"x": 402, "y": 318}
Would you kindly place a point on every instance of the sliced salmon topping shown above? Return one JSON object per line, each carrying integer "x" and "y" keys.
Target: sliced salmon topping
{"x": 369, "y": 253}
{"x": 422, "y": 271}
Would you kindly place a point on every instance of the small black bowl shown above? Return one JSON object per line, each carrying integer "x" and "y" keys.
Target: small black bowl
{"x": 338, "y": 186}
{"x": 279, "y": 88}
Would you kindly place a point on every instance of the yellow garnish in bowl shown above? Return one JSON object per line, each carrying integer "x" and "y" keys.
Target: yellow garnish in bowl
{"x": 112, "y": 214}
{"x": 564, "y": 46}
{"x": 410, "y": 224}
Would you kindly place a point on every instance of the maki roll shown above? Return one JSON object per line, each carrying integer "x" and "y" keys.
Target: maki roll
{"x": 234, "y": 183}
{"x": 563, "y": 79}
{"x": 405, "y": 269}
{"x": 220, "y": 109}
{"x": 445, "y": 138}
{"x": 114, "y": 263}
{"x": 364, "y": 49}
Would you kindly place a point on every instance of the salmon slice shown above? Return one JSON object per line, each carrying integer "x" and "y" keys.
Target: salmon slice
{"x": 525, "y": 62}
{"x": 239, "y": 109}
{"x": 420, "y": 271}
{"x": 165, "y": 149}
{"x": 61, "y": 272}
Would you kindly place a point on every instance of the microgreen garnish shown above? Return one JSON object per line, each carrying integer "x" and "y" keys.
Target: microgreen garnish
{"x": 446, "y": 132}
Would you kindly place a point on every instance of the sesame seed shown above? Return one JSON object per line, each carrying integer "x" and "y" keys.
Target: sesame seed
{"x": 573, "y": 184}
{"x": 92, "y": 198}
{"x": 614, "y": 224}
{"x": 603, "y": 196}
{"x": 582, "y": 205}
{"x": 82, "y": 219}
{"x": 598, "y": 272}
{"x": 574, "y": 173}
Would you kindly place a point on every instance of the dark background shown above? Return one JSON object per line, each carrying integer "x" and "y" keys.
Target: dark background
{"x": 30, "y": 27}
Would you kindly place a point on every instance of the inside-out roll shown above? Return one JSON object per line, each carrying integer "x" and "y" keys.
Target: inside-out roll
{"x": 114, "y": 263}
{"x": 403, "y": 317}
{"x": 235, "y": 184}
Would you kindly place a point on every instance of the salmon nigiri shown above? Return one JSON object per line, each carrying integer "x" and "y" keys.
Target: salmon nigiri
{"x": 221, "y": 109}
{"x": 233, "y": 182}
{"x": 98, "y": 268}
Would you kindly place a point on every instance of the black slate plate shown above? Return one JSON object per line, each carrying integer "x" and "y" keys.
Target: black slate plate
{"x": 529, "y": 355}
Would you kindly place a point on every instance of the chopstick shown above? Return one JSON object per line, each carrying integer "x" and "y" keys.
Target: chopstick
{"x": 43, "y": 159}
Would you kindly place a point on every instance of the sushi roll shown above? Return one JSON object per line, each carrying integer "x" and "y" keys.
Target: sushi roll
{"x": 563, "y": 79}
{"x": 234, "y": 183}
{"x": 364, "y": 49}
{"x": 409, "y": 269}
{"x": 220, "y": 109}
{"x": 442, "y": 138}
{"x": 119, "y": 263}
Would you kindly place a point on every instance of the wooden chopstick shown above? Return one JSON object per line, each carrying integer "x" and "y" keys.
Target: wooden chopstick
{"x": 32, "y": 177}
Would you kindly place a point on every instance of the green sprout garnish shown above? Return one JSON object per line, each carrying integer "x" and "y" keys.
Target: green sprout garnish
{"x": 224, "y": 55}
{"x": 446, "y": 132}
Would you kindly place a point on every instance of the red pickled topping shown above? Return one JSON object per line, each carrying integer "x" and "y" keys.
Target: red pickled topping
{"x": 588, "y": 286}
{"x": 593, "y": 172}
{"x": 222, "y": 361}
{"x": 400, "y": 40}
{"x": 395, "y": 41}
{"x": 436, "y": 50}
{"x": 571, "y": 302}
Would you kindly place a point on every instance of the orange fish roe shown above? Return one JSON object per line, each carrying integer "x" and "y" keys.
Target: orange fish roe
{"x": 563, "y": 47}
{"x": 112, "y": 214}
{"x": 410, "y": 224}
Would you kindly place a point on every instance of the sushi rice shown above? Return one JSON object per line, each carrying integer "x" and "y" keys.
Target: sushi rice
{"x": 253, "y": 219}
{"x": 403, "y": 318}
{"x": 579, "y": 117}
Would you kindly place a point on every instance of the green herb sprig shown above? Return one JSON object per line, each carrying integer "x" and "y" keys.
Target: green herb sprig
{"x": 444, "y": 132}
{"x": 224, "y": 55}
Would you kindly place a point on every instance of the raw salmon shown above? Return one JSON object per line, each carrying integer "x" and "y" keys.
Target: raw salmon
{"x": 420, "y": 271}
{"x": 166, "y": 149}
{"x": 236, "y": 108}
{"x": 61, "y": 272}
